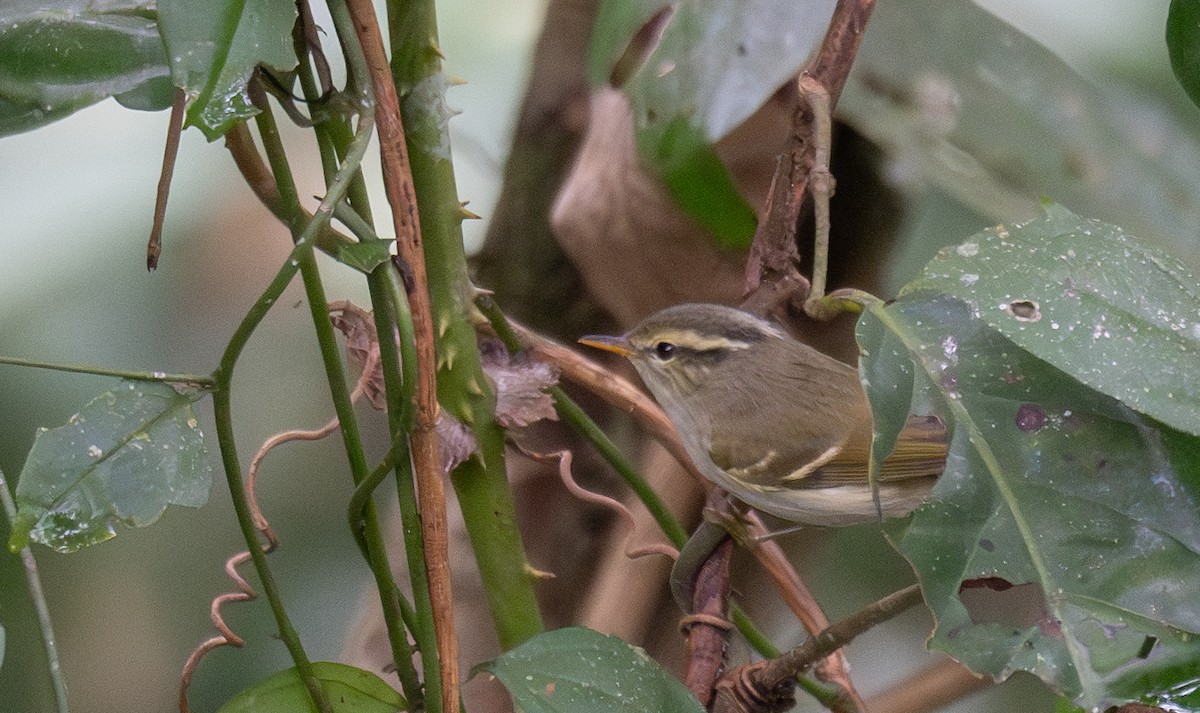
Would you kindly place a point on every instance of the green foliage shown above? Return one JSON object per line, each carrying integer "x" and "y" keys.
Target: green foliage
{"x": 123, "y": 458}
{"x": 711, "y": 67}
{"x": 114, "y": 50}
{"x": 968, "y": 105}
{"x": 577, "y": 670}
{"x": 1056, "y": 493}
{"x": 349, "y": 689}
{"x": 1183, "y": 45}
{"x": 213, "y": 49}
{"x": 1088, "y": 298}
{"x": 367, "y": 255}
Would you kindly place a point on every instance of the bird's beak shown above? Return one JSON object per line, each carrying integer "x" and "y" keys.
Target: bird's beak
{"x": 617, "y": 345}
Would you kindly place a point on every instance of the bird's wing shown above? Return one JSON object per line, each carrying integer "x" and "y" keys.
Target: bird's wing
{"x": 920, "y": 453}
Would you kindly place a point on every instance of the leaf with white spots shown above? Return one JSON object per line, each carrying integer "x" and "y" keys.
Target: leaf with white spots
{"x": 1063, "y": 538}
{"x": 127, "y": 455}
{"x": 1111, "y": 311}
{"x": 577, "y": 670}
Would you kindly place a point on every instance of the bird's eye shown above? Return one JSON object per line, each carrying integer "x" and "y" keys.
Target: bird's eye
{"x": 664, "y": 350}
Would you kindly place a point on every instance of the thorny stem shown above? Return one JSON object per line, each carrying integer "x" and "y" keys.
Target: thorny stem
{"x": 332, "y": 136}
{"x": 57, "y": 679}
{"x": 426, "y": 453}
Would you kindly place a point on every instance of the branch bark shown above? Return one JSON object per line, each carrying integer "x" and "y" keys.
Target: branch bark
{"x": 426, "y": 454}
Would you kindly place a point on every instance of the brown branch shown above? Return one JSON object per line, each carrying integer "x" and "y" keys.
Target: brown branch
{"x": 799, "y": 598}
{"x": 426, "y": 452}
{"x": 766, "y": 685}
{"x": 170, "y": 153}
{"x": 774, "y": 257}
{"x": 708, "y": 625}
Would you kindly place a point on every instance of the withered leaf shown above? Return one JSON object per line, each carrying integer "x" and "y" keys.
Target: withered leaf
{"x": 362, "y": 346}
{"x": 520, "y": 382}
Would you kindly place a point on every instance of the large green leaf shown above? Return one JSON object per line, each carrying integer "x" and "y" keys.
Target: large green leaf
{"x": 577, "y": 670}
{"x": 350, "y": 690}
{"x": 58, "y": 57}
{"x": 713, "y": 65}
{"x": 1183, "y": 45}
{"x": 1057, "y": 499}
{"x": 213, "y": 49}
{"x": 1111, "y": 311}
{"x": 123, "y": 458}
{"x": 964, "y": 103}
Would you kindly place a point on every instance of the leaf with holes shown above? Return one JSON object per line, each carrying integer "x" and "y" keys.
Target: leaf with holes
{"x": 1087, "y": 297}
{"x": 123, "y": 458}
{"x": 1064, "y": 537}
{"x": 577, "y": 670}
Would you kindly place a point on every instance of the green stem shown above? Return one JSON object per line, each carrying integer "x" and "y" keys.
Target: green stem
{"x": 38, "y": 595}
{"x": 400, "y": 382}
{"x": 372, "y": 534}
{"x": 202, "y": 381}
{"x": 481, "y": 482}
{"x": 223, "y": 412}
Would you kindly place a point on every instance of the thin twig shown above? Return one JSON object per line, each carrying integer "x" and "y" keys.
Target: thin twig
{"x": 401, "y": 193}
{"x": 766, "y": 685}
{"x": 799, "y": 598}
{"x": 38, "y": 595}
{"x": 774, "y": 257}
{"x": 170, "y": 153}
{"x": 194, "y": 380}
{"x": 708, "y": 624}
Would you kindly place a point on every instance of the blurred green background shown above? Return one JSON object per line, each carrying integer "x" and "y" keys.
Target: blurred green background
{"x": 76, "y": 199}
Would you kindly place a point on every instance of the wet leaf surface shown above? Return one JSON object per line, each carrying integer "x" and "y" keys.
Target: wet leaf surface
{"x": 1085, "y": 296}
{"x": 58, "y": 57}
{"x": 122, "y": 459}
{"x": 1054, "y": 495}
{"x": 213, "y": 49}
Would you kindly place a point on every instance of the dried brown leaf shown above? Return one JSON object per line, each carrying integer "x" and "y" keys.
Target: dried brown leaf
{"x": 520, "y": 382}
{"x": 362, "y": 346}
